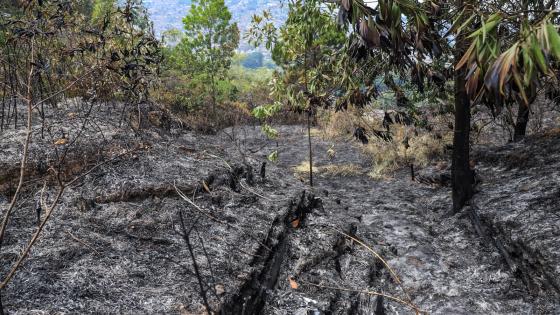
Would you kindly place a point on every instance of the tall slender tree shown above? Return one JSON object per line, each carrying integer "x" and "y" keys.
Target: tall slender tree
{"x": 462, "y": 174}
{"x": 302, "y": 48}
{"x": 502, "y": 51}
{"x": 209, "y": 43}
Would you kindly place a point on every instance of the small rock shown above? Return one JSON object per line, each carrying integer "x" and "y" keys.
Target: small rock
{"x": 220, "y": 289}
{"x": 243, "y": 276}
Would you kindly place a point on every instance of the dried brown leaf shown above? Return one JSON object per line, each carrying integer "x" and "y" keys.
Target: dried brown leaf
{"x": 205, "y": 186}
{"x": 293, "y": 284}
{"x": 61, "y": 141}
{"x": 295, "y": 223}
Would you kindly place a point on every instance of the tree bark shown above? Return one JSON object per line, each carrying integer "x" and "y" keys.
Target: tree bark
{"x": 462, "y": 173}
{"x": 213, "y": 97}
{"x": 310, "y": 148}
{"x": 521, "y": 123}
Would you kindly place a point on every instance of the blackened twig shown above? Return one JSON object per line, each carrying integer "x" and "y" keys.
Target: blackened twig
{"x": 195, "y": 265}
{"x": 213, "y": 286}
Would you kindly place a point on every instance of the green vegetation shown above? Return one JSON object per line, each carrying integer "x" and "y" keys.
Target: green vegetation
{"x": 208, "y": 45}
{"x": 102, "y": 9}
{"x": 423, "y": 59}
{"x": 203, "y": 71}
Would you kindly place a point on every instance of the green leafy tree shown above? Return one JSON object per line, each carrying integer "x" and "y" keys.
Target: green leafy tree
{"x": 172, "y": 37}
{"x": 495, "y": 53}
{"x": 501, "y": 51}
{"x": 301, "y": 48}
{"x": 101, "y": 9}
{"x": 209, "y": 43}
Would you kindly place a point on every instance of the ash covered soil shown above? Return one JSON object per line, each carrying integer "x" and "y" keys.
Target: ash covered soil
{"x": 116, "y": 244}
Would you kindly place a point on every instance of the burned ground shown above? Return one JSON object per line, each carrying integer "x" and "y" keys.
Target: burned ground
{"x": 116, "y": 243}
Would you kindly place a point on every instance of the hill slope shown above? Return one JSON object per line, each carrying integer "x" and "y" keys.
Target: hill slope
{"x": 168, "y": 14}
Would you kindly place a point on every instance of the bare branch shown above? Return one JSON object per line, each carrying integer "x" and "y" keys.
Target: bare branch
{"x": 24, "y": 158}
{"x": 62, "y": 187}
{"x": 211, "y": 217}
{"x": 367, "y": 292}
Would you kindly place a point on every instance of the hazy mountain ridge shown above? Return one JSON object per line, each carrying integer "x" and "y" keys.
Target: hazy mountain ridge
{"x": 168, "y": 14}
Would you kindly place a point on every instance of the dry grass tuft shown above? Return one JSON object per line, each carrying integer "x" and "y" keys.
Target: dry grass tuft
{"x": 303, "y": 168}
{"x": 388, "y": 156}
{"x": 340, "y": 170}
{"x": 336, "y": 124}
{"x": 385, "y": 158}
{"x": 328, "y": 170}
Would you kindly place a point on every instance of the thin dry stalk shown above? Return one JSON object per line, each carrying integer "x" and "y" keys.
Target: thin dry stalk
{"x": 25, "y": 252}
{"x": 186, "y": 235}
{"x": 367, "y": 292}
{"x": 213, "y": 218}
{"x": 67, "y": 87}
{"x": 29, "y": 132}
{"x": 219, "y": 158}
{"x": 368, "y": 248}
{"x": 74, "y": 237}
{"x": 254, "y": 192}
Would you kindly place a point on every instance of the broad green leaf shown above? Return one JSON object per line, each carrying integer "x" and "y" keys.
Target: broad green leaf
{"x": 493, "y": 21}
{"x": 518, "y": 82}
{"x": 396, "y": 14}
{"x": 528, "y": 66}
{"x": 273, "y": 157}
{"x": 538, "y": 55}
{"x": 467, "y": 22}
{"x": 554, "y": 40}
{"x": 456, "y": 22}
{"x": 509, "y": 63}
{"x": 483, "y": 31}
{"x": 270, "y": 132}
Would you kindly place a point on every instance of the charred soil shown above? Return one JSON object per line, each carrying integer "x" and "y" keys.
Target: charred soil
{"x": 272, "y": 245}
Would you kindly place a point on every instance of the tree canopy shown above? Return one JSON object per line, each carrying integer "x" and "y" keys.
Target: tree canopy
{"x": 209, "y": 41}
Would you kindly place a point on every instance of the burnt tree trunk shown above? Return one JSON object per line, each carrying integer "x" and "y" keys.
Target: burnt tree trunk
{"x": 521, "y": 123}
{"x": 462, "y": 175}
{"x": 310, "y": 148}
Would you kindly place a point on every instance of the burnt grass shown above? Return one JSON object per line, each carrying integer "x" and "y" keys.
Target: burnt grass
{"x": 116, "y": 243}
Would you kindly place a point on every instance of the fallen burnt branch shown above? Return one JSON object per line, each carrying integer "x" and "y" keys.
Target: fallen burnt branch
{"x": 75, "y": 164}
{"x": 376, "y": 255}
{"x": 144, "y": 192}
{"x": 230, "y": 178}
{"x": 341, "y": 247}
{"x": 251, "y": 298}
{"x": 48, "y": 212}
{"x": 367, "y": 292}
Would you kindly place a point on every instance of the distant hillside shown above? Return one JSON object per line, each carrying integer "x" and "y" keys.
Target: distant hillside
{"x": 168, "y": 14}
